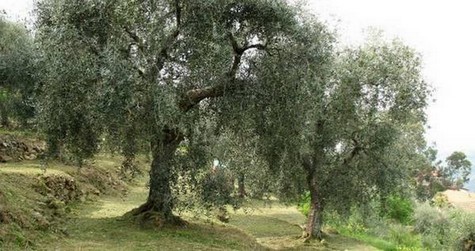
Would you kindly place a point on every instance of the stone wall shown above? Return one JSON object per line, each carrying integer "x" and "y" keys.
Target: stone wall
{"x": 14, "y": 148}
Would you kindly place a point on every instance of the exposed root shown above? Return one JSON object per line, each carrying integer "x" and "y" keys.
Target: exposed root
{"x": 148, "y": 216}
{"x": 309, "y": 237}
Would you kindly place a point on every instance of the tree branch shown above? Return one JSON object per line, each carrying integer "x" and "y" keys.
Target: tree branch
{"x": 138, "y": 41}
{"x": 193, "y": 97}
{"x": 239, "y": 50}
{"x": 169, "y": 41}
{"x": 234, "y": 68}
{"x": 178, "y": 13}
{"x": 357, "y": 148}
{"x": 255, "y": 46}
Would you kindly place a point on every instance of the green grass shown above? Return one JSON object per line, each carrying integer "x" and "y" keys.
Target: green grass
{"x": 116, "y": 233}
{"x": 276, "y": 226}
{"x": 372, "y": 240}
{"x": 399, "y": 239}
{"x": 20, "y": 133}
{"x": 17, "y": 201}
{"x": 99, "y": 225}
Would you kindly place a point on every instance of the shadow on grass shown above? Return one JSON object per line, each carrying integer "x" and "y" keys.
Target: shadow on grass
{"x": 117, "y": 233}
{"x": 263, "y": 226}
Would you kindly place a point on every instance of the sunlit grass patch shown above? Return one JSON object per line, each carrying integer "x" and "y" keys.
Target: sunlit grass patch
{"x": 99, "y": 227}
{"x": 21, "y": 133}
{"x": 35, "y": 168}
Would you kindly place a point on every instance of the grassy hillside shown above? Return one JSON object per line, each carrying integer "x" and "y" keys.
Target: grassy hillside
{"x": 92, "y": 220}
{"x": 36, "y": 200}
{"x": 99, "y": 226}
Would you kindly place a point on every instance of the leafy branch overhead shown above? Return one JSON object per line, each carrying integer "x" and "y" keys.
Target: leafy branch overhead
{"x": 180, "y": 76}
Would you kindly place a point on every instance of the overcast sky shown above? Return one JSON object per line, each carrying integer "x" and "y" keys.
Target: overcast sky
{"x": 442, "y": 31}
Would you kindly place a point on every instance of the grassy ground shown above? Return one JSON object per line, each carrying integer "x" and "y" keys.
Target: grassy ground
{"x": 98, "y": 225}
{"x": 276, "y": 227}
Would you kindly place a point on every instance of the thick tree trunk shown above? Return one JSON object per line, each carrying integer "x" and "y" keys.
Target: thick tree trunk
{"x": 315, "y": 215}
{"x": 158, "y": 209}
{"x": 241, "y": 186}
{"x": 315, "y": 220}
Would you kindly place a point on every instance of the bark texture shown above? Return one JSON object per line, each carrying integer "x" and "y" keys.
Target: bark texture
{"x": 314, "y": 224}
{"x": 315, "y": 220}
{"x": 158, "y": 209}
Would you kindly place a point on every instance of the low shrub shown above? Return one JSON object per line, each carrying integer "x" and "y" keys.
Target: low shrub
{"x": 445, "y": 228}
{"x": 399, "y": 209}
{"x": 304, "y": 204}
{"x": 441, "y": 200}
{"x": 403, "y": 237}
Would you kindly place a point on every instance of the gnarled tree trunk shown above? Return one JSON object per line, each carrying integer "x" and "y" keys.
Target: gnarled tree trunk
{"x": 159, "y": 206}
{"x": 315, "y": 220}
{"x": 314, "y": 224}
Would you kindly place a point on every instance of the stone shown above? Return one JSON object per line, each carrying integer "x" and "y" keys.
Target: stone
{"x": 5, "y": 158}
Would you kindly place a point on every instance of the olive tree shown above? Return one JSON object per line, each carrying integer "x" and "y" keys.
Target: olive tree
{"x": 160, "y": 70}
{"x": 17, "y": 73}
{"x": 351, "y": 129}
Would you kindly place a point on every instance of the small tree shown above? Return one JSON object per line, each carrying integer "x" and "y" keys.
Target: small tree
{"x": 358, "y": 124}
{"x": 457, "y": 169}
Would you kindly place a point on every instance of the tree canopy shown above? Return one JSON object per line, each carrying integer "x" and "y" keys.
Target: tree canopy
{"x": 17, "y": 72}
{"x": 181, "y": 74}
{"x": 144, "y": 69}
{"x": 353, "y": 128}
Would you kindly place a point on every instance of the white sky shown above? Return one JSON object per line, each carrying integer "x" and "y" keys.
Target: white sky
{"x": 443, "y": 31}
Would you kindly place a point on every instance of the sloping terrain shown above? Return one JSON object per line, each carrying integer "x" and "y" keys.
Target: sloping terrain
{"x": 36, "y": 200}
{"x": 99, "y": 226}
{"x": 277, "y": 227}
{"x": 52, "y": 206}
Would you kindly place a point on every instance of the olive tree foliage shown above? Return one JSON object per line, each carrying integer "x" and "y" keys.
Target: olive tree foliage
{"x": 239, "y": 155}
{"x": 17, "y": 73}
{"x": 165, "y": 72}
{"x": 354, "y": 128}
